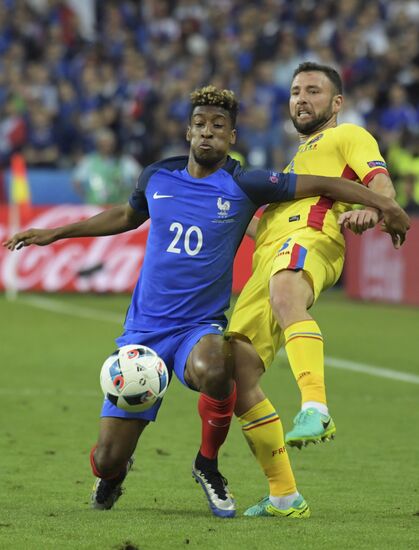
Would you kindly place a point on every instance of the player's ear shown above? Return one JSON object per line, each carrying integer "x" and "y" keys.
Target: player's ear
{"x": 188, "y": 134}
{"x": 233, "y": 136}
{"x": 337, "y": 103}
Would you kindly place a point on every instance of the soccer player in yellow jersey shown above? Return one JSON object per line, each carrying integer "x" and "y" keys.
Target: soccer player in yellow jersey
{"x": 299, "y": 253}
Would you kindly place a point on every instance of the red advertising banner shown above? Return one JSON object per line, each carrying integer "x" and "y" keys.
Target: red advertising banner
{"x": 105, "y": 264}
{"x": 374, "y": 270}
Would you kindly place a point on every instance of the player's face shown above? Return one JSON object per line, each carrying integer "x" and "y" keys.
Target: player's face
{"x": 314, "y": 103}
{"x": 210, "y": 135}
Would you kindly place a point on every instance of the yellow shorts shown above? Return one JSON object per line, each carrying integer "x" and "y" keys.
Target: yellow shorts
{"x": 307, "y": 249}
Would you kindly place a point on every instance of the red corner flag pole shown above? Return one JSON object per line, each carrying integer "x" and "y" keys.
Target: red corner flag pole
{"x": 19, "y": 200}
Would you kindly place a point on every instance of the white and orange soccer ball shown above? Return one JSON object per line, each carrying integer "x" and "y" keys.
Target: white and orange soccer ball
{"x": 134, "y": 378}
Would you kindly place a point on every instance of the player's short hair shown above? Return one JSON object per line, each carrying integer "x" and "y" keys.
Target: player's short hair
{"x": 210, "y": 95}
{"x": 330, "y": 72}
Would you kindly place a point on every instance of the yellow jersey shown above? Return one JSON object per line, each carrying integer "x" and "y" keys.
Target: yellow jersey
{"x": 346, "y": 151}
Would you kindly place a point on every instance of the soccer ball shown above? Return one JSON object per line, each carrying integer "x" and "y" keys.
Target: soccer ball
{"x": 134, "y": 378}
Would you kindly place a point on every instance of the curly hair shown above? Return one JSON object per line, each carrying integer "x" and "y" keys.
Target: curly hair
{"x": 210, "y": 95}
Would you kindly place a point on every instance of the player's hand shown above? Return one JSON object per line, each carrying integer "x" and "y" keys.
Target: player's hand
{"x": 396, "y": 222}
{"x": 40, "y": 237}
{"x": 359, "y": 221}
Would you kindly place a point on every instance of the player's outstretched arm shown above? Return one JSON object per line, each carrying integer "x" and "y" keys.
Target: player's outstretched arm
{"x": 395, "y": 218}
{"x": 110, "y": 222}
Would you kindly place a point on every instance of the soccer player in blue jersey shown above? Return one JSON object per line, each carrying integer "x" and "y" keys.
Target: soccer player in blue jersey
{"x": 199, "y": 207}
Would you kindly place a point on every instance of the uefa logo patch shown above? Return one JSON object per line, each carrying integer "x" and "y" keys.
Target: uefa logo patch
{"x": 274, "y": 177}
{"x": 377, "y": 163}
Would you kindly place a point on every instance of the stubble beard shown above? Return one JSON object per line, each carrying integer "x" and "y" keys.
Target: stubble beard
{"x": 310, "y": 127}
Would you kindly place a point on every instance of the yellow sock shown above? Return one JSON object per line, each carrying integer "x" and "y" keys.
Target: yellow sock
{"x": 262, "y": 429}
{"x": 304, "y": 347}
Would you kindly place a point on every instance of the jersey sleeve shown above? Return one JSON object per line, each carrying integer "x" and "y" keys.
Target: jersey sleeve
{"x": 361, "y": 153}
{"x": 266, "y": 186}
{"x": 138, "y": 200}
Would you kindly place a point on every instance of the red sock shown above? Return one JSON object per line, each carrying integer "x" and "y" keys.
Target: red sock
{"x": 92, "y": 462}
{"x": 95, "y": 469}
{"x": 216, "y": 419}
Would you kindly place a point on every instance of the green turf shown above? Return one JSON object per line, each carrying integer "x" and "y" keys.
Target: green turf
{"x": 362, "y": 488}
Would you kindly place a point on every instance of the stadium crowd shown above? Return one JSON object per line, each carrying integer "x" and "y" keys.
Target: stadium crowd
{"x": 70, "y": 69}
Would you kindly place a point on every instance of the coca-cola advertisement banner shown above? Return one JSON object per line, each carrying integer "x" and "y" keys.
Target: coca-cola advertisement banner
{"x": 104, "y": 264}
{"x": 375, "y": 270}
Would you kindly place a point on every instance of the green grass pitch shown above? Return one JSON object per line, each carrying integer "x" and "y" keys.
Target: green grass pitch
{"x": 362, "y": 488}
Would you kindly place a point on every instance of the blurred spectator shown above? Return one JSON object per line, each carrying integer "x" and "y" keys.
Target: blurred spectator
{"x": 410, "y": 191}
{"x": 129, "y": 66}
{"x": 286, "y": 61}
{"x": 105, "y": 176}
{"x": 259, "y": 136}
{"x": 350, "y": 114}
{"x": 40, "y": 88}
{"x": 67, "y": 122}
{"x": 41, "y": 148}
{"x": 403, "y": 158}
{"x": 399, "y": 113}
{"x": 12, "y": 130}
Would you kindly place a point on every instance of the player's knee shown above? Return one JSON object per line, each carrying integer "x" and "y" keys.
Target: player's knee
{"x": 290, "y": 292}
{"x": 289, "y": 301}
{"x": 214, "y": 377}
{"x": 282, "y": 303}
{"x": 209, "y": 368}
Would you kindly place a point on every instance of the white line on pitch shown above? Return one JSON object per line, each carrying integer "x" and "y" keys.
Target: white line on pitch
{"x": 49, "y": 392}
{"x": 380, "y": 372}
{"x": 64, "y": 308}
{"x": 345, "y": 364}
{"x": 58, "y": 306}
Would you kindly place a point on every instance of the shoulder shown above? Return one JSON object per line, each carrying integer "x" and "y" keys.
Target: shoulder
{"x": 170, "y": 164}
{"x": 349, "y": 131}
{"x": 232, "y": 167}
{"x": 261, "y": 185}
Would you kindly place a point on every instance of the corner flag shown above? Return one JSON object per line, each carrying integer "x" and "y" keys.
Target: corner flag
{"x": 19, "y": 203}
{"x": 19, "y": 187}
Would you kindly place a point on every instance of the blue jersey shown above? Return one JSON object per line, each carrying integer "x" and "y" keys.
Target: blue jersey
{"x": 196, "y": 228}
